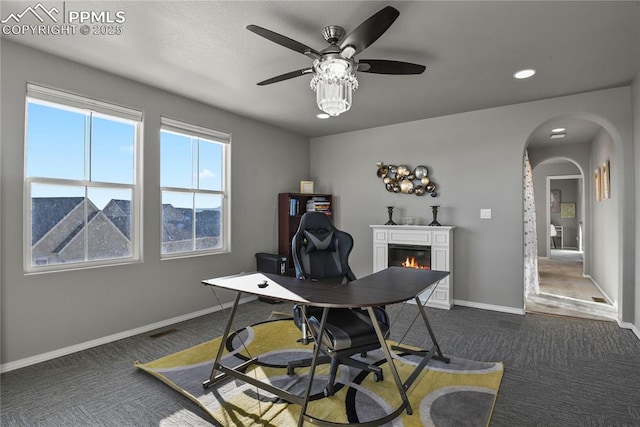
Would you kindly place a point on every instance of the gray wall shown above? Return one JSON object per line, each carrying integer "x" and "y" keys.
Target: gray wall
{"x": 477, "y": 160}
{"x": 604, "y": 221}
{"x": 636, "y": 143}
{"x": 46, "y": 312}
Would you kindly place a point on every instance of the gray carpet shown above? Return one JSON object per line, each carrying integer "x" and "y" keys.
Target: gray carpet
{"x": 558, "y": 371}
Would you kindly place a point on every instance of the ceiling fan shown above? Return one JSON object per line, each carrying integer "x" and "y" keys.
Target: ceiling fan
{"x": 334, "y": 67}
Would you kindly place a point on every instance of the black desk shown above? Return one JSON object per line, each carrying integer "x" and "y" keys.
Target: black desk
{"x": 389, "y": 286}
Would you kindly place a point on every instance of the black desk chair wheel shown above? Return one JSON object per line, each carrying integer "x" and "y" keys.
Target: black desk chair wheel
{"x": 320, "y": 252}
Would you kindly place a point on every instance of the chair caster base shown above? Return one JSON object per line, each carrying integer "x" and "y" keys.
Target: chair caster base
{"x": 328, "y": 391}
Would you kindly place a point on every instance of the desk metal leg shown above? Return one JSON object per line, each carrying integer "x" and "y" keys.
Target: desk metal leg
{"x": 312, "y": 370}
{"x": 224, "y": 371}
{"x": 436, "y": 346}
{"x": 238, "y": 371}
{"x": 427, "y": 355}
{"x": 227, "y": 329}
{"x": 392, "y": 366}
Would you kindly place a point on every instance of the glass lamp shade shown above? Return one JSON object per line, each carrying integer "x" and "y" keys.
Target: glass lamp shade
{"x": 333, "y": 91}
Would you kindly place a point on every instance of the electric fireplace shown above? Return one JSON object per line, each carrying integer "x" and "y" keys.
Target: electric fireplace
{"x": 409, "y": 256}
{"x": 417, "y": 246}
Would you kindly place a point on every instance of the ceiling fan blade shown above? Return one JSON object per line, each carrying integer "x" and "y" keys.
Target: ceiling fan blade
{"x": 284, "y": 41}
{"x": 383, "y": 66}
{"x": 370, "y": 30}
{"x": 286, "y": 76}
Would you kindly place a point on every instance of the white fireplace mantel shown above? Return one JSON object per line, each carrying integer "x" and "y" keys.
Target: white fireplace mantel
{"x": 439, "y": 238}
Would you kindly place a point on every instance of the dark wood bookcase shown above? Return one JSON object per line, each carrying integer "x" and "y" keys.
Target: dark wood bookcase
{"x": 291, "y": 207}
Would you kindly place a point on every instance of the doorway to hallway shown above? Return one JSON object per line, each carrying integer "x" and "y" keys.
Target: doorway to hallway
{"x": 586, "y": 145}
{"x": 565, "y": 291}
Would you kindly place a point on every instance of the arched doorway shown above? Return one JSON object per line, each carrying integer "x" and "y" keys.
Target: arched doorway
{"x": 565, "y": 206}
{"x": 564, "y": 219}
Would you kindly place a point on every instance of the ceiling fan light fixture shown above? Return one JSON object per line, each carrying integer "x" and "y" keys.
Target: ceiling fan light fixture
{"x": 334, "y": 93}
{"x": 348, "y": 51}
{"x": 334, "y": 65}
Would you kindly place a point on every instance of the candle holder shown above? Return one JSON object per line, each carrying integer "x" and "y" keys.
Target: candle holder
{"x": 390, "y": 211}
{"x": 435, "y": 223}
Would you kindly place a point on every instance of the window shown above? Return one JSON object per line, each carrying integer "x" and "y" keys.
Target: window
{"x": 81, "y": 173}
{"x": 194, "y": 180}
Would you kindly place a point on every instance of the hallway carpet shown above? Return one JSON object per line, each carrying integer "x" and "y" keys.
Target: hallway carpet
{"x": 564, "y": 291}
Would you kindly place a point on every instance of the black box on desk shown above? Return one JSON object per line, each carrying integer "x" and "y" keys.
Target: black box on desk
{"x": 273, "y": 264}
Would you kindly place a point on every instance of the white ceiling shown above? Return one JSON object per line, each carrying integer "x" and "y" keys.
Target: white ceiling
{"x": 201, "y": 49}
{"x": 578, "y": 131}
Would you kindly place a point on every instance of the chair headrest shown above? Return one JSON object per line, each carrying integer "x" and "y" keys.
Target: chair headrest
{"x": 318, "y": 240}
{"x": 318, "y": 231}
{"x": 316, "y": 221}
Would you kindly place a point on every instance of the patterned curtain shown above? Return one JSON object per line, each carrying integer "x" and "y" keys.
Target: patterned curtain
{"x": 531, "y": 284}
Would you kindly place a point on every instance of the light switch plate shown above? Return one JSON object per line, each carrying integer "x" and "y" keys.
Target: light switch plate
{"x": 485, "y": 213}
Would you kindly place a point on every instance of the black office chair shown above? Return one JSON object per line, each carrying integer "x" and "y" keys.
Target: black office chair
{"x": 320, "y": 252}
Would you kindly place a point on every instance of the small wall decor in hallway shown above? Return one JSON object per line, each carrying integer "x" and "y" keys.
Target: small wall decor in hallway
{"x": 401, "y": 179}
{"x": 604, "y": 175}
{"x": 597, "y": 184}
{"x": 567, "y": 210}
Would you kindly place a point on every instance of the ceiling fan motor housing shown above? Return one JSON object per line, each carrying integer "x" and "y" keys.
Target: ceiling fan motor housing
{"x": 333, "y": 33}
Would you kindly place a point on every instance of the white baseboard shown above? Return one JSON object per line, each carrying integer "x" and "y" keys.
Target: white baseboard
{"x": 28, "y": 361}
{"x": 627, "y": 325}
{"x": 609, "y": 300}
{"x": 491, "y": 307}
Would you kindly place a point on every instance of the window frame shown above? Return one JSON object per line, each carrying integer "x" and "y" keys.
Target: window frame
{"x": 94, "y": 108}
{"x": 223, "y": 138}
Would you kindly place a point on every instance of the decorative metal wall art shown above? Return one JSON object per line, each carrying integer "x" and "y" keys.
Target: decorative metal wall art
{"x": 401, "y": 179}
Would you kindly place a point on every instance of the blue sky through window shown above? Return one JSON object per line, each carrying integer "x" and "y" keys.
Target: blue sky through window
{"x": 67, "y": 143}
{"x": 55, "y": 147}
{"x": 190, "y": 163}
{"x": 72, "y": 144}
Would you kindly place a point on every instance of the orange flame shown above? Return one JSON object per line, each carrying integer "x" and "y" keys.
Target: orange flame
{"x": 412, "y": 263}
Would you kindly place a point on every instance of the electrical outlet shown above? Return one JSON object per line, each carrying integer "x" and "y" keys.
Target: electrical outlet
{"x": 485, "y": 213}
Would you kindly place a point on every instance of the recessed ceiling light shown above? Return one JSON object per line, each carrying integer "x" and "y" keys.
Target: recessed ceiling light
{"x": 524, "y": 74}
{"x": 557, "y": 135}
{"x": 322, "y": 116}
{"x": 557, "y": 130}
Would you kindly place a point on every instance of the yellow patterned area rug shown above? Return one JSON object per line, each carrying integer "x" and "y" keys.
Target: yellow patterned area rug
{"x": 462, "y": 392}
